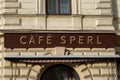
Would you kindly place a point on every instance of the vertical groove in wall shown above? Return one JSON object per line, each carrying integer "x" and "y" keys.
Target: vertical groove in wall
{"x": 76, "y": 6}
{"x": 38, "y": 9}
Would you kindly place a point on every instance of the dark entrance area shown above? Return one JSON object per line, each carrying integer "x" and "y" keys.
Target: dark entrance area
{"x": 59, "y": 72}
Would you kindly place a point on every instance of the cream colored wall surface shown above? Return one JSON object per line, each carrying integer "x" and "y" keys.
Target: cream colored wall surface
{"x": 31, "y": 14}
{"x": 86, "y": 71}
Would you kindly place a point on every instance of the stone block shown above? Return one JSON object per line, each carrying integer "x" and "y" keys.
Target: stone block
{"x": 105, "y": 12}
{"x": 11, "y": 5}
{"x": 21, "y": 78}
{"x": 76, "y": 23}
{"x": 6, "y": 78}
{"x": 49, "y": 51}
{"x": 105, "y": 28}
{"x": 103, "y": 6}
{"x": 9, "y": 11}
{"x": 112, "y": 64}
{"x": 15, "y": 71}
{"x": 100, "y": 65}
{"x": 24, "y": 71}
{"x": 90, "y": 12}
{"x": 91, "y": 53}
{"x": 107, "y": 53}
{"x": 37, "y": 68}
{"x": 98, "y": 49}
{"x": 41, "y": 22}
{"x": 21, "y": 65}
{"x": 104, "y": 1}
{"x": 89, "y": 23}
{"x": 34, "y": 74}
{"x": 26, "y": 11}
{"x": 9, "y": 0}
{"x": 100, "y": 78}
{"x": 113, "y": 78}
{"x": 113, "y": 70}
{"x": 7, "y": 72}
{"x": 19, "y": 49}
{"x": 29, "y": 65}
{"x": 104, "y": 71}
{"x": 65, "y": 23}
{"x": 28, "y": 5}
{"x": 111, "y": 49}
{"x": 76, "y": 53}
{"x": 95, "y": 71}
{"x": 31, "y": 20}
{"x": 88, "y": 6}
{"x": 89, "y": 1}
{"x": 15, "y": 27}
{"x": 26, "y": 1}
{"x": 60, "y": 51}
{"x": 82, "y": 49}
{"x": 88, "y": 78}
{"x": 7, "y": 64}
{"x": 104, "y": 22}
{"x": 11, "y": 21}
{"x": 43, "y": 53}
{"x": 28, "y": 53}
{"x": 35, "y": 49}
{"x": 8, "y": 49}
{"x": 86, "y": 72}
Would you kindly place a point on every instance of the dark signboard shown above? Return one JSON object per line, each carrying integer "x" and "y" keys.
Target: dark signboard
{"x": 70, "y": 40}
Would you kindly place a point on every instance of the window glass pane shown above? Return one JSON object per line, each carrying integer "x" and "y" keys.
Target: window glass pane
{"x": 51, "y": 6}
{"x": 64, "y": 6}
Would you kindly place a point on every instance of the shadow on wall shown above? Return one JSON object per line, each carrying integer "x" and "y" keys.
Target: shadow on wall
{"x": 115, "y": 14}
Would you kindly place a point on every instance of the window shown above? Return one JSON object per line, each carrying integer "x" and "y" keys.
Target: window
{"x": 59, "y": 72}
{"x": 58, "y": 7}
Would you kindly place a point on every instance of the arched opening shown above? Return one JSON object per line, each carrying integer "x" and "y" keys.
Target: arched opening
{"x": 59, "y": 72}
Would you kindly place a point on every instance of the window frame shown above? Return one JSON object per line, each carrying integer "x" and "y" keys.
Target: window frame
{"x": 58, "y": 9}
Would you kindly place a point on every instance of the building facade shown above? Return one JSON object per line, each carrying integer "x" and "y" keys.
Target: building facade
{"x": 59, "y": 39}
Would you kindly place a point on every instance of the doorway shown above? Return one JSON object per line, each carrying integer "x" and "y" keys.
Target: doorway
{"x": 59, "y": 72}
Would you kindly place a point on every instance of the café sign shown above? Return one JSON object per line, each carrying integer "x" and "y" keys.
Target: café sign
{"x": 70, "y": 40}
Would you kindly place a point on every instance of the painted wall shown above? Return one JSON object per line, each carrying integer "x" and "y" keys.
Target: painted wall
{"x": 31, "y": 14}
{"x": 86, "y": 15}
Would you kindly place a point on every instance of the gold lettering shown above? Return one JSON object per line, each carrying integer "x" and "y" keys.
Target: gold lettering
{"x": 32, "y": 40}
{"x": 81, "y": 39}
{"x": 40, "y": 39}
{"x": 21, "y": 40}
{"x": 98, "y": 40}
{"x": 63, "y": 40}
{"x": 90, "y": 40}
{"x": 72, "y": 39}
{"x": 49, "y": 39}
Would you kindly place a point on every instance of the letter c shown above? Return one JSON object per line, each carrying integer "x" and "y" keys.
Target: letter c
{"x": 22, "y": 40}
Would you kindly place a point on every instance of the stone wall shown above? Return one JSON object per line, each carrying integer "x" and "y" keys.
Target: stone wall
{"x": 86, "y": 15}
{"x": 59, "y": 51}
{"x": 31, "y": 14}
{"x": 98, "y": 71}
{"x": 86, "y": 71}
